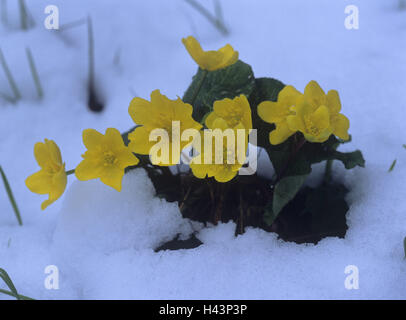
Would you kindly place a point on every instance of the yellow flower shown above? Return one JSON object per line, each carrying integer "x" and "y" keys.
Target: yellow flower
{"x": 210, "y": 60}
{"x": 314, "y": 123}
{"x": 277, "y": 113}
{"x": 106, "y": 157}
{"x": 51, "y": 179}
{"x": 226, "y": 170}
{"x": 318, "y": 115}
{"x": 160, "y": 113}
{"x": 234, "y": 111}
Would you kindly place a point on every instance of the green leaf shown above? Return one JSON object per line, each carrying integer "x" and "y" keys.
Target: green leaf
{"x": 269, "y": 215}
{"x": 349, "y": 159}
{"x": 229, "y": 82}
{"x": 285, "y": 191}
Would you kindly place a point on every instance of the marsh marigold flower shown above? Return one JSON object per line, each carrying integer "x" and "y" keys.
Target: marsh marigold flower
{"x": 226, "y": 170}
{"x": 318, "y": 115}
{"x": 234, "y": 111}
{"x": 210, "y": 60}
{"x": 51, "y": 179}
{"x": 106, "y": 158}
{"x": 277, "y": 113}
{"x": 160, "y": 113}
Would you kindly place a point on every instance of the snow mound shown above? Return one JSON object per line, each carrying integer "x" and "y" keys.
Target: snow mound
{"x": 95, "y": 218}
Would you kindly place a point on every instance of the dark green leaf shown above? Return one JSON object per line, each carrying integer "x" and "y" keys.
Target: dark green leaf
{"x": 285, "y": 190}
{"x": 229, "y": 82}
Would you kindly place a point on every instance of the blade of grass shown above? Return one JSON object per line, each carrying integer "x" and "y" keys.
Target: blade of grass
{"x": 7, "y": 98}
{"x": 72, "y": 24}
{"x": 216, "y": 21}
{"x": 5, "y": 277}
{"x": 19, "y": 297}
{"x": 392, "y": 166}
{"x": 10, "y": 196}
{"x": 4, "y": 19}
{"x": 23, "y": 14}
{"x": 404, "y": 246}
{"x": 34, "y": 73}
{"x": 13, "y": 291}
{"x": 93, "y": 101}
{"x": 9, "y": 76}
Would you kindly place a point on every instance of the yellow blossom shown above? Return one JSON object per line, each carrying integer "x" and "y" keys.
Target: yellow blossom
{"x": 51, "y": 179}
{"x": 226, "y": 170}
{"x": 234, "y": 111}
{"x": 160, "y": 113}
{"x": 277, "y": 113}
{"x": 318, "y": 115}
{"x": 210, "y": 60}
{"x": 106, "y": 157}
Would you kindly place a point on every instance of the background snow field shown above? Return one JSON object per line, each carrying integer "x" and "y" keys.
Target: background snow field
{"x": 103, "y": 241}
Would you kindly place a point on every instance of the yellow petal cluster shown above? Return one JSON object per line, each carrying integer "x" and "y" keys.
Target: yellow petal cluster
{"x": 51, "y": 179}
{"x": 225, "y": 171}
{"x": 228, "y": 114}
{"x": 210, "y": 60}
{"x": 159, "y": 113}
{"x": 106, "y": 157}
{"x": 315, "y": 114}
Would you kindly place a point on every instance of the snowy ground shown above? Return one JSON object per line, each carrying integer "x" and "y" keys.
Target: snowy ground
{"x": 102, "y": 241}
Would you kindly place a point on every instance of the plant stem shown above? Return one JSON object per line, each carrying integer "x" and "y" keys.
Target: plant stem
{"x": 216, "y": 21}
{"x": 196, "y": 93}
{"x": 9, "y": 76}
{"x": 72, "y": 171}
{"x": 34, "y": 73}
{"x": 11, "y": 196}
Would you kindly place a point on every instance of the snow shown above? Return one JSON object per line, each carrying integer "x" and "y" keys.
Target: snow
{"x": 103, "y": 242}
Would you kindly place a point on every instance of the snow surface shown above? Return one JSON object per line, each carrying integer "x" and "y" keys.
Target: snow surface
{"x": 102, "y": 241}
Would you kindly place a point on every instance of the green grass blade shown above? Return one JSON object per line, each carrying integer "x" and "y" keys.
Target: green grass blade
{"x": 23, "y": 14}
{"x": 6, "y": 278}
{"x": 392, "y": 166}
{"x": 4, "y": 19}
{"x": 10, "y": 196}
{"x": 34, "y": 73}
{"x": 9, "y": 76}
{"x": 13, "y": 291}
{"x": 216, "y": 21}
{"x": 19, "y": 297}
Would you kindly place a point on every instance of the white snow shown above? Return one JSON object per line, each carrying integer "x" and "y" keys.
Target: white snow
{"x": 102, "y": 241}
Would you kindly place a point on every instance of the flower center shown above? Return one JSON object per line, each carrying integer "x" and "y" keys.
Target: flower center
{"x": 310, "y": 127}
{"x": 109, "y": 158}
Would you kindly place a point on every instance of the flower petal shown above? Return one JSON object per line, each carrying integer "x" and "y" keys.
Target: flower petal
{"x": 333, "y": 101}
{"x": 88, "y": 169}
{"x": 112, "y": 176}
{"x": 92, "y": 138}
{"x": 40, "y": 182}
{"x": 281, "y": 133}
{"x": 341, "y": 126}
{"x": 140, "y": 111}
{"x": 139, "y": 140}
